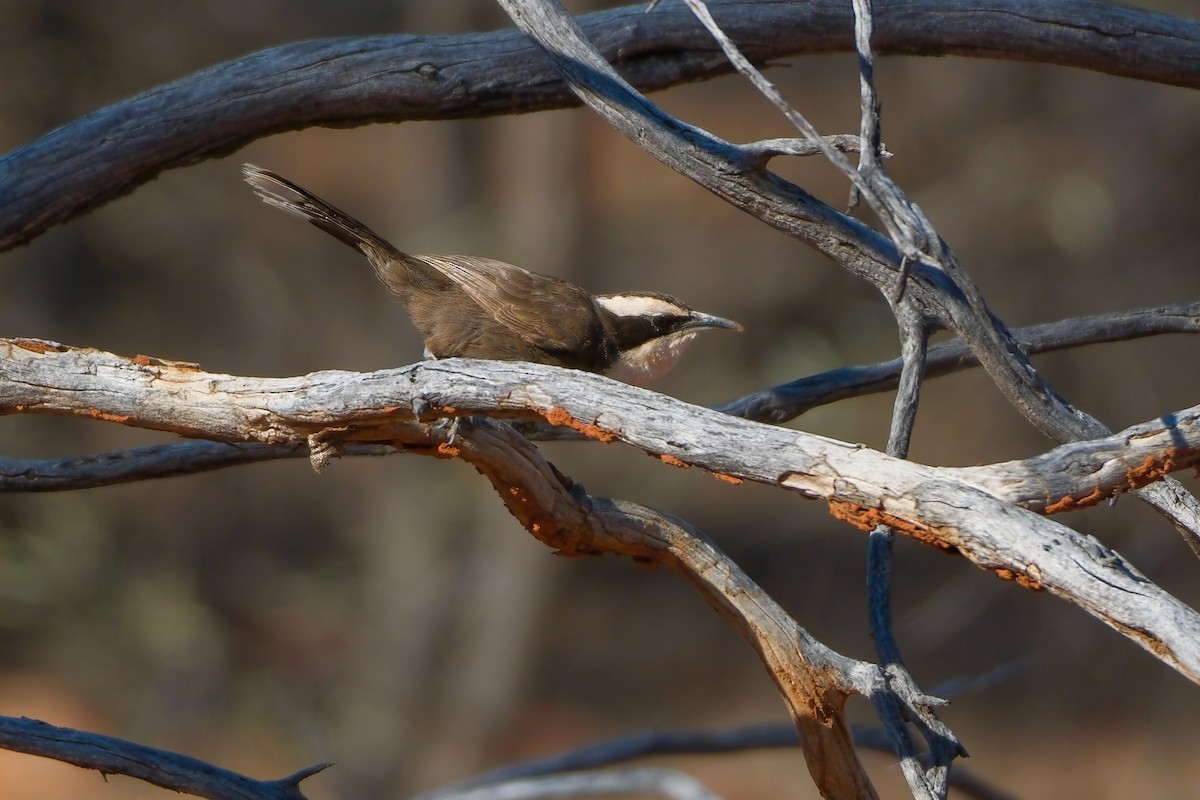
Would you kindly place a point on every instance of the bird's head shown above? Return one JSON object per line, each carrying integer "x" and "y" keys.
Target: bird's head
{"x": 651, "y": 331}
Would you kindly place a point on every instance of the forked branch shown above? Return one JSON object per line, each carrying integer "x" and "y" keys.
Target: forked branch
{"x": 974, "y": 511}
{"x": 775, "y": 405}
{"x": 944, "y": 294}
{"x": 987, "y": 514}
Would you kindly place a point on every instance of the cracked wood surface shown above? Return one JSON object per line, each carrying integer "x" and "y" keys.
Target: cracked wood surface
{"x": 978, "y": 512}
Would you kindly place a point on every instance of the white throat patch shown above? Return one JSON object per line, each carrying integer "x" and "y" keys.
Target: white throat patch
{"x": 652, "y": 359}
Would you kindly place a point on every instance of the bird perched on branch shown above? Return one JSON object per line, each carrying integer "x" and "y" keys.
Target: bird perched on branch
{"x": 481, "y": 308}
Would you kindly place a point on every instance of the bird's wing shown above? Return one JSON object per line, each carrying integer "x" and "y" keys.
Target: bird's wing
{"x": 544, "y": 311}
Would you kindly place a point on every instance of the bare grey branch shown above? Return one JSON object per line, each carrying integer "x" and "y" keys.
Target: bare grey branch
{"x": 974, "y": 511}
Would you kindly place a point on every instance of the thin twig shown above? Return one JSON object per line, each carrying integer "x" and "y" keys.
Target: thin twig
{"x": 772, "y": 93}
{"x": 914, "y": 350}
{"x": 786, "y": 402}
{"x": 931, "y": 778}
{"x": 650, "y": 744}
{"x": 908, "y": 229}
{"x": 925, "y": 783}
{"x": 759, "y": 153}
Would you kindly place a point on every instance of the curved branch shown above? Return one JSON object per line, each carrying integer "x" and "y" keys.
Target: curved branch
{"x": 150, "y": 462}
{"x": 260, "y": 417}
{"x": 777, "y": 404}
{"x": 786, "y": 402}
{"x": 682, "y": 743}
{"x": 971, "y": 511}
{"x": 341, "y": 82}
{"x": 941, "y": 291}
{"x": 112, "y": 756}
{"x": 814, "y": 681}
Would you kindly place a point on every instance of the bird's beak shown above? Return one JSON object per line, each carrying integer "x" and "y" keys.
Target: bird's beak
{"x": 700, "y": 320}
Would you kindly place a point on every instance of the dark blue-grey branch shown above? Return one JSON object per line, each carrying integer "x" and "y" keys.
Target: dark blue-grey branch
{"x": 346, "y": 82}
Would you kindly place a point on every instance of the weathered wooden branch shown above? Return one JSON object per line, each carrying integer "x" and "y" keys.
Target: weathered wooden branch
{"x": 814, "y": 681}
{"x": 778, "y": 404}
{"x": 342, "y": 82}
{"x": 942, "y": 293}
{"x": 939, "y": 290}
{"x": 974, "y": 512}
{"x": 978, "y": 512}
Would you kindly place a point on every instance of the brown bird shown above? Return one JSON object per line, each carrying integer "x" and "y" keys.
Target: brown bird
{"x": 481, "y": 308}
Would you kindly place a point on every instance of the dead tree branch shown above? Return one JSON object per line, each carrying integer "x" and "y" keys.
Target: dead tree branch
{"x": 978, "y": 512}
{"x": 775, "y": 405}
{"x": 341, "y": 82}
{"x": 987, "y": 514}
{"x": 940, "y": 291}
{"x": 788, "y": 401}
{"x": 814, "y": 681}
{"x": 944, "y": 295}
{"x": 112, "y": 756}
{"x": 676, "y": 743}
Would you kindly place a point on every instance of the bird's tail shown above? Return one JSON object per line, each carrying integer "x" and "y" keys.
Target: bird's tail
{"x": 278, "y": 191}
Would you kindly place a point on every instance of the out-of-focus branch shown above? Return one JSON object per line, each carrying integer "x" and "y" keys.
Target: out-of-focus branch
{"x": 609, "y": 783}
{"x": 790, "y": 400}
{"x": 341, "y": 82}
{"x": 681, "y": 743}
{"x": 111, "y": 756}
{"x": 150, "y": 462}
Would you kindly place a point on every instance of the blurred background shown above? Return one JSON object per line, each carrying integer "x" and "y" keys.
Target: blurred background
{"x": 388, "y": 614}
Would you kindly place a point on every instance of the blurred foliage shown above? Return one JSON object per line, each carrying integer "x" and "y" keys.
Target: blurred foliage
{"x": 388, "y": 614}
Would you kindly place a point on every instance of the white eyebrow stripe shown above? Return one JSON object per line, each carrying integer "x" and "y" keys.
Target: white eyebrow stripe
{"x": 634, "y": 305}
